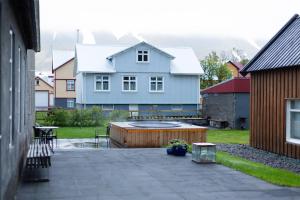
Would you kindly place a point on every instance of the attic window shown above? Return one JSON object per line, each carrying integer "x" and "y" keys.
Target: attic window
{"x": 142, "y": 56}
{"x": 37, "y": 82}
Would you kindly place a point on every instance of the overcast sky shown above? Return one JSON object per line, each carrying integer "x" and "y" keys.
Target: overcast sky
{"x": 242, "y": 18}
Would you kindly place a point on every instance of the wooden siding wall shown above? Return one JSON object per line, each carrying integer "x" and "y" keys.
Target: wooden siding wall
{"x": 269, "y": 91}
{"x": 139, "y": 138}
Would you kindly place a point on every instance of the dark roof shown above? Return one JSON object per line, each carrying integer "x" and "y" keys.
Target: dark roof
{"x": 235, "y": 85}
{"x": 237, "y": 65}
{"x": 27, "y": 14}
{"x": 281, "y": 51}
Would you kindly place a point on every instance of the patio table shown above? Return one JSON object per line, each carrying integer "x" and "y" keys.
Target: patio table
{"x": 46, "y": 132}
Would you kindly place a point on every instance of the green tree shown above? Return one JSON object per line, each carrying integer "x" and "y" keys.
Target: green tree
{"x": 223, "y": 73}
{"x": 215, "y": 70}
{"x": 244, "y": 61}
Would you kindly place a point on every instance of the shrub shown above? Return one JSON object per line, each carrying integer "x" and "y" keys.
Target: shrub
{"x": 58, "y": 117}
{"x": 78, "y": 118}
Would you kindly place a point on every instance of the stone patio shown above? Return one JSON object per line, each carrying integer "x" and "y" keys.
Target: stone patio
{"x": 140, "y": 174}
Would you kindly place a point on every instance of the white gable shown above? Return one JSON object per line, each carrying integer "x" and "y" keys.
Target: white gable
{"x": 60, "y": 57}
{"x": 93, "y": 59}
{"x": 139, "y": 44}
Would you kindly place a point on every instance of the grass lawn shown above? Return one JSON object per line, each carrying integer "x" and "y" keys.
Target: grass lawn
{"x": 261, "y": 171}
{"x": 228, "y": 136}
{"x": 264, "y": 172}
{"x": 77, "y": 132}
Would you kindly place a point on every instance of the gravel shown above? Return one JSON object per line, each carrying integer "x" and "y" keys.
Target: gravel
{"x": 257, "y": 155}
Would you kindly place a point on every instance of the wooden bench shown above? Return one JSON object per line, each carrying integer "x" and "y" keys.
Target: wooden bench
{"x": 38, "y": 156}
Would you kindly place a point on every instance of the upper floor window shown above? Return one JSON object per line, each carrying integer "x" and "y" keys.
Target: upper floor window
{"x": 293, "y": 121}
{"x": 142, "y": 56}
{"x": 102, "y": 83}
{"x": 70, "y": 103}
{"x": 37, "y": 82}
{"x": 156, "y": 84}
{"x": 70, "y": 85}
{"x": 129, "y": 83}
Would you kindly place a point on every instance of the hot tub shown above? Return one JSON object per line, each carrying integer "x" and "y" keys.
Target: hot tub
{"x": 144, "y": 134}
{"x": 155, "y": 124}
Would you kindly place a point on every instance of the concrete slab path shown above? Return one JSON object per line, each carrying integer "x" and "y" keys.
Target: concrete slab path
{"x": 129, "y": 174}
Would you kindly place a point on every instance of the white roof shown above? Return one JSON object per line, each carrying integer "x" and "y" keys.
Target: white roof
{"x": 46, "y": 76}
{"x": 60, "y": 57}
{"x": 185, "y": 62}
{"x": 93, "y": 58}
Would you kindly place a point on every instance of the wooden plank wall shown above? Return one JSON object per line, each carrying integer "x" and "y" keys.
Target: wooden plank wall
{"x": 269, "y": 91}
{"x": 154, "y": 137}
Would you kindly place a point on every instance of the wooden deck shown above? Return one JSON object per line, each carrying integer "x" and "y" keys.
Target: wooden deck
{"x": 155, "y": 137}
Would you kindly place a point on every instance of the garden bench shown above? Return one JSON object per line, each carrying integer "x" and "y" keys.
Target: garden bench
{"x": 38, "y": 157}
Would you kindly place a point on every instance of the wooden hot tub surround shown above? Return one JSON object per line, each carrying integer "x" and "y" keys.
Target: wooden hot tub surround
{"x": 125, "y": 135}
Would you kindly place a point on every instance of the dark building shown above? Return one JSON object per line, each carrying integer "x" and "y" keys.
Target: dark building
{"x": 275, "y": 93}
{"x": 228, "y": 102}
{"x": 19, "y": 40}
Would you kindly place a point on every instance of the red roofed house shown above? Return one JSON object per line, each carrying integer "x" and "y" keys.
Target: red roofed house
{"x": 228, "y": 102}
{"x": 235, "y": 68}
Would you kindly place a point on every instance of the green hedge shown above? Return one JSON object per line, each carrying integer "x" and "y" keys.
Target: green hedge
{"x": 83, "y": 118}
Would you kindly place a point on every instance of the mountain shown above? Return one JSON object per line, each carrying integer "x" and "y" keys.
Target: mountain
{"x": 201, "y": 44}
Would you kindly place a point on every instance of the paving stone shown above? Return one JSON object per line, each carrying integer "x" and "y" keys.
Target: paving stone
{"x": 145, "y": 174}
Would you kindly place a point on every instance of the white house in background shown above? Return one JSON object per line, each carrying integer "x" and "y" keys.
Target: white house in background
{"x": 140, "y": 77}
{"x": 44, "y": 94}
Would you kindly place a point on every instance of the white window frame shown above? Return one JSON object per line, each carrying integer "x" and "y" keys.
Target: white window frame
{"x": 95, "y": 83}
{"x": 136, "y": 83}
{"x": 108, "y": 109}
{"x": 289, "y": 110}
{"x": 19, "y": 89}
{"x": 11, "y": 61}
{"x": 73, "y": 83}
{"x": 143, "y": 53}
{"x": 156, "y": 81}
{"x": 69, "y": 101}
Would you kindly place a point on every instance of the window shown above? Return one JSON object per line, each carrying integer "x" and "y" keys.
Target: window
{"x": 142, "y": 56}
{"x": 37, "y": 82}
{"x": 129, "y": 83}
{"x": 156, "y": 84}
{"x": 107, "y": 107}
{"x": 293, "y": 121}
{"x": 70, "y": 85}
{"x": 102, "y": 83}
{"x": 70, "y": 103}
{"x": 19, "y": 90}
{"x": 11, "y": 116}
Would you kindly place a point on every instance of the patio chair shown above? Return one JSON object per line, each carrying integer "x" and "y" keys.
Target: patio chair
{"x": 97, "y": 136}
{"x": 50, "y": 136}
{"x": 39, "y": 134}
{"x": 107, "y": 136}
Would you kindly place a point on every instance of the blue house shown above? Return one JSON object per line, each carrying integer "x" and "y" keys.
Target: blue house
{"x": 140, "y": 77}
